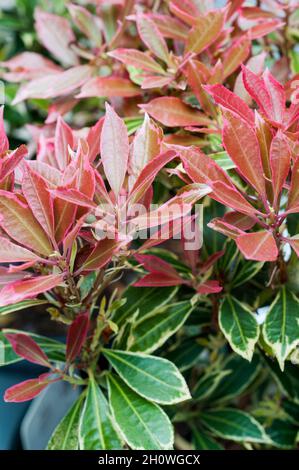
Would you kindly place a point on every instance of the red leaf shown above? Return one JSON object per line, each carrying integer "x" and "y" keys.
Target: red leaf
{"x": 236, "y": 55}
{"x": 76, "y": 336}
{"x": 12, "y": 160}
{"x": 102, "y": 254}
{"x": 209, "y": 287}
{"x": 94, "y": 139}
{"x": 27, "y": 289}
{"x": 280, "y": 160}
{"x": 258, "y": 246}
{"x": 26, "y": 347}
{"x": 243, "y": 222}
{"x": 241, "y": 144}
{"x": 231, "y": 102}
{"x": 158, "y": 279}
{"x": 148, "y": 174}
{"x": 170, "y": 27}
{"x": 26, "y": 390}
{"x": 221, "y": 226}
{"x": 63, "y": 140}
{"x": 108, "y": 87}
{"x": 293, "y": 200}
{"x": 230, "y": 197}
{"x": 74, "y": 197}
{"x": 114, "y": 149}
{"x": 35, "y": 190}
{"x": 4, "y": 144}
{"x": 153, "y": 263}
{"x": 172, "y": 112}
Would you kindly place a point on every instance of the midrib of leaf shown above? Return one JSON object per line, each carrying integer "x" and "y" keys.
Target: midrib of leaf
{"x": 37, "y": 195}
{"x": 229, "y": 423}
{"x": 284, "y": 319}
{"x": 205, "y": 32}
{"x": 237, "y": 322}
{"x": 135, "y": 411}
{"x": 145, "y": 373}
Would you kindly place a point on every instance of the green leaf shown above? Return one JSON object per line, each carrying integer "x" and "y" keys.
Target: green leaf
{"x": 247, "y": 271}
{"x": 54, "y": 349}
{"x": 282, "y": 434}
{"x": 21, "y": 306}
{"x": 151, "y": 299}
{"x": 152, "y": 332}
{"x": 223, "y": 160}
{"x": 239, "y": 326}
{"x": 241, "y": 375}
{"x": 186, "y": 355}
{"x": 288, "y": 380}
{"x": 65, "y": 436}
{"x": 143, "y": 424}
{"x": 281, "y": 327}
{"x": 153, "y": 378}
{"x": 234, "y": 425}
{"x": 96, "y": 429}
{"x": 202, "y": 441}
{"x": 207, "y": 384}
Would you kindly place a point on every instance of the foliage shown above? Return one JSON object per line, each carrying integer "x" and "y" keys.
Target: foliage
{"x": 199, "y": 347}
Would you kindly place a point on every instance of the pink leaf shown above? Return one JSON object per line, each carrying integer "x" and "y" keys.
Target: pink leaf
{"x": 280, "y": 160}
{"x": 24, "y": 346}
{"x": 76, "y": 336}
{"x": 294, "y": 242}
{"x": 170, "y": 27}
{"x": 64, "y": 140}
{"x": 151, "y": 37}
{"x": 259, "y": 246}
{"x": 102, "y": 254}
{"x": 231, "y": 197}
{"x": 108, "y": 87}
{"x": 27, "y": 289}
{"x": 227, "y": 229}
{"x": 27, "y": 390}
{"x": 55, "y": 34}
{"x": 12, "y": 253}
{"x": 256, "y": 65}
{"x": 206, "y": 30}
{"x": 243, "y": 222}
{"x": 293, "y": 199}
{"x": 236, "y": 55}
{"x": 18, "y": 221}
{"x": 74, "y": 197}
{"x": 35, "y": 190}
{"x": 11, "y": 161}
{"x": 94, "y": 140}
{"x": 148, "y": 174}
{"x": 172, "y": 112}
{"x": 186, "y": 10}
{"x": 114, "y": 149}
{"x": 54, "y": 85}
{"x": 28, "y": 66}
{"x": 137, "y": 59}
{"x": 154, "y": 263}
{"x": 4, "y": 144}
{"x": 241, "y": 144}
{"x": 231, "y": 102}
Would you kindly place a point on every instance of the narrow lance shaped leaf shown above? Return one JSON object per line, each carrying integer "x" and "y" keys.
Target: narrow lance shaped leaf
{"x": 55, "y": 34}
{"x": 4, "y": 144}
{"x": 258, "y": 246}
{"x": 96, "y": 429}
{"x": 109, "y": 87}
{"x": 18, "y": 221}
{"x": 11, "y": 161}
{"x": 39, "y": 199}
{"x": 281, "y": 327}
{"x": 236, "y": 55}
{"x": 143, "y": 424}
{"x": 231, "y": 101}
{"x": 26, "y": 347}
{"x": 293, "y": 197}
{"x": 101, "y": 254}
{"x": 76, "y": 336}
{"x": 235, "y": 425}
{"x": 137, "y": 59}
{"x": 87, "y": 23}
{"x": 280, "y": 160}
{"x": 206, "y": 31}
{"x": 27, "y": 289}
{"x": 114, "y": 149}
{"x": 65, "y": 435}
{"x": 151, "y": 36}
{"x": 242, "y": 146}
{"x": 64, "y": 140}
{"x": 154, "y": 378}
{"x": 28, "y": 389}
{"x": 12, "y": 253}
{"x": 239, "y": 326}
{"x": 173, "y": 112}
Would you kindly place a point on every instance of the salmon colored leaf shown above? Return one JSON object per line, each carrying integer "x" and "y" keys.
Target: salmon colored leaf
{"x": 12, "y": 253}
{"x": 206, "y": 31}
{"x": 151, "y": 37}
{"x": 259, "y": 246}
{"x": 109, "y": 87}
{"x": 24, "y": 346}
{"x": 137, "y": 59}
{"x": 27, "y": 390}
{"x": 280, "y": 160}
